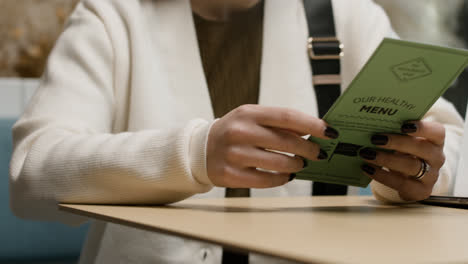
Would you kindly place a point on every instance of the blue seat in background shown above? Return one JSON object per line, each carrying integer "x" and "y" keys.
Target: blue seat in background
{"x": 23, "y": 241}
{"x": 365, "y": 191}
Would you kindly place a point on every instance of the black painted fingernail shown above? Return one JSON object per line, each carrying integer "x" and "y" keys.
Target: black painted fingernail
{"x": 409, "y": 128}
{"x": 331, "y": 133}
{"x": 292, "y": 176}
{"x": 368, "y": 154}
{"x": 368, "y": 169}
{"x": 322, "y": 155}
{"x": 379, "y": 140}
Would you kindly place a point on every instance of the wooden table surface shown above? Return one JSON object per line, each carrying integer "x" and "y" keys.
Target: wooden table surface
{"x": 306, "y": 229}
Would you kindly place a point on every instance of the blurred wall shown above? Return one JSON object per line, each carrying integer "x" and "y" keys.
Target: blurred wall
{"x": 430, "y": 21}
{"x": 28, "y": 30}
{"x": 440, "y": 22}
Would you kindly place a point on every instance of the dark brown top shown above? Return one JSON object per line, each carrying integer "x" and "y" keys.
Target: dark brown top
{"x": 231, "y": 53}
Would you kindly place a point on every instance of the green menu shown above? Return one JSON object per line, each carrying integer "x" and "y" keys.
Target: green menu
{"x": 400, "y": 82}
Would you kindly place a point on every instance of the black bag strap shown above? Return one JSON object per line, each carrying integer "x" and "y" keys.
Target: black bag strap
{"x": 325, "y": 51}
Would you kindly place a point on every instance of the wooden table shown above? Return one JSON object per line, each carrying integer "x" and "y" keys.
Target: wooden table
{"x": 306, "y": 229}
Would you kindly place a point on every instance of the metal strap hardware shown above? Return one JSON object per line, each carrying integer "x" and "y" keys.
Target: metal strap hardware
{"x": 331, "y": 40}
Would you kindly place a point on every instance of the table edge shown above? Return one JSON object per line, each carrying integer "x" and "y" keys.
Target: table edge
{"x": 66, "y": 208}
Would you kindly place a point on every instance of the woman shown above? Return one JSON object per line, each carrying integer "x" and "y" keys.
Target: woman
{"x": 123, "y": 115}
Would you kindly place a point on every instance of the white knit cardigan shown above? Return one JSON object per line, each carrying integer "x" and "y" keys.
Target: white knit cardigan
{"x": 123, "y": 113}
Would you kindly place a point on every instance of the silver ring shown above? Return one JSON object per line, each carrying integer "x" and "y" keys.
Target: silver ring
{"x": 424, "y": 169}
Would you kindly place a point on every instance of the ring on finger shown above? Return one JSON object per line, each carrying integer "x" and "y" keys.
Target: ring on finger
{"x": 423, "y": 170}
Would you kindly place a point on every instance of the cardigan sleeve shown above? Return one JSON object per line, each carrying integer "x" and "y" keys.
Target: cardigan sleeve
{"x": 64, "y": 148}
{"x": 361, "y": 25}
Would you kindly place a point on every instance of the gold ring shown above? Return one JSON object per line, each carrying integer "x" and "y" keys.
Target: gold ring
{"x": 424, "y": 169}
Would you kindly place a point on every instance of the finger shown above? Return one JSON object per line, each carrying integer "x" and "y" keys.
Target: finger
{"x": 415, "y": 146}
{"x": 291, "y": 132}
{"x": 407, "y": 165}
{"x": 254, "y": 178}
{"x": 268, "y": 138}
{"x": 409, "y": 189}
{"x": 260, "y": 158}
{"x": 403, "y": 163}
{"x": 432, "y": 131}
{"x": 290, "y": 119}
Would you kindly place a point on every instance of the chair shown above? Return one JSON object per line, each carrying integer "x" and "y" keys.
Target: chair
{"x": 25, "y": 241}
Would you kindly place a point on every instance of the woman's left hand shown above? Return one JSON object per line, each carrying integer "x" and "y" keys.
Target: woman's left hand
{"x": 424, "y": 141}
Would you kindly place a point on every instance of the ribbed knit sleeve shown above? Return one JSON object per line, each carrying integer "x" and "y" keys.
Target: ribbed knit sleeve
{"x": 64, "y": 148}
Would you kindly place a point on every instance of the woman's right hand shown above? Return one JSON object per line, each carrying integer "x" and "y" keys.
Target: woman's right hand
{"x": 241, "y": 144}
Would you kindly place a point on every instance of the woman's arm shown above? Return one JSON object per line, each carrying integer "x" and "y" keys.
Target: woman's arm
{"x": 64, "y": 149}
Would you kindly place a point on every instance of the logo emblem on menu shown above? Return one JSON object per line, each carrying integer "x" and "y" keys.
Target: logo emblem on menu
{"x": 413, "y": 69}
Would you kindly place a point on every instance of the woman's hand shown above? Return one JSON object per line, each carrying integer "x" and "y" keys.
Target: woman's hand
{"x": 424, "y": 141}
{"x": 239, "y": 146}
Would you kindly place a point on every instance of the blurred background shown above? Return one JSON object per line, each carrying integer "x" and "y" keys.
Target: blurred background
{"x": 28, "y": 31}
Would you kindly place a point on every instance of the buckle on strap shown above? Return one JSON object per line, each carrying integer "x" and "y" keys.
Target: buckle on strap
{"x": 313, "y": 56}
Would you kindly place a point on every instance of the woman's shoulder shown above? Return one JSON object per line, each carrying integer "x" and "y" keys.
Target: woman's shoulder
{"x": 112, "y": 20}
{"x": 110, "y": 11}
{"x": 361, "y": 25}
{"x": 358, "y": 12}
{"x": 354, "y": 6}
{"x": 112, "y": 5}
